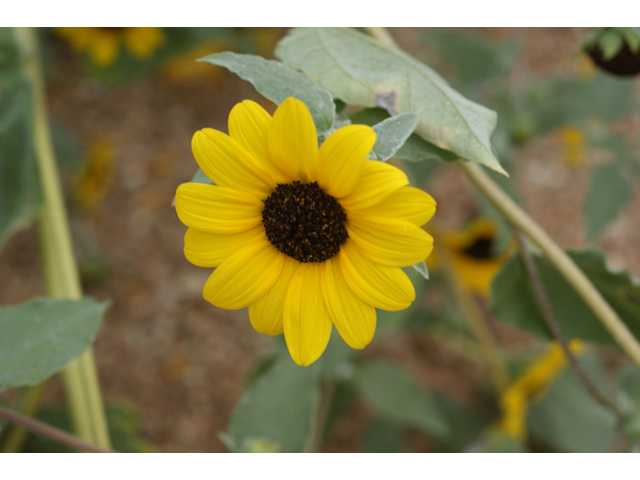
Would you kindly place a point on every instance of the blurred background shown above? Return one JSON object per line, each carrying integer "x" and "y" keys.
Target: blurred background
{"x": 124, "y": 104}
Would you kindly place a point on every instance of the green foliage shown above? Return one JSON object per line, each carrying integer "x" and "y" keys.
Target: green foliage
{"x": 391, "y": 134}
{"x": 415, "y": 149}
{"x": 278, "y": 411}
{"x": 514, "y": 301}
{"x": 474, "y": 59}
{"x": 41, "y": 336}
{"x": 382, "y": 437}
{"x": 124, "y": 430}
{"x": 562, "y": 101}
{"x": 609, "y": 193}
{"x": 361, "y": 71}
{"x": 568, "y": 418}
{"x": 277, "y": 82}
{"x": 396, "y": 396}
{"x": 628, "y": 387}
{"x": 611, "y": 39}
{"x": 19, "y": 181}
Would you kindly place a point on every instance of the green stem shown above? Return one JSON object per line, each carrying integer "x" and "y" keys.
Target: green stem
{"x": 61, "y": 274}
{"x": 473, "y": 315}
{"x": 29, "y": 404}
{"x": 49, "y": 431}
{"x": 567, "y": 268}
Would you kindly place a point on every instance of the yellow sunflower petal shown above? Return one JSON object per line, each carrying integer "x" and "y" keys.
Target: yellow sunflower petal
{"x": 406, "y": 203}
{"x": 244, "y": 277}
{"x": 391, "y": 243}
{"x": 293, "y": 142}
{"x": 377, "y": 181}
{"x": 249, "y": 126}
{"x": 266, "y": 313}
{"x": 206, "y": 249}
{"x": 227, "y": 164}
{"x": 342, "y": 156}
{"x": 354, "y": 318}
{"x": 306, "y": 322}
{"x": 217, "y": 209}
{"x": 387, "y": 288}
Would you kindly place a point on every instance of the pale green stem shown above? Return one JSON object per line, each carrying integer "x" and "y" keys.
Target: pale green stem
{"x": 60, "y": 270}
{"x": 567, "y": 268}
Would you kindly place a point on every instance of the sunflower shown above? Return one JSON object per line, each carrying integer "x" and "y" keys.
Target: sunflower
{"x": 103, "y": 43}
{"x": 472, "y": 255}
{"x": 306, "y": 237}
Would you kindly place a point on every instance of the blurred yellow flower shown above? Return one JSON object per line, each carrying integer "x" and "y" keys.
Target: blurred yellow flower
{"x": 306, "y": 237}
{"x": 472, "y": 255}
{"x": 103, "y": 43}
{"x": 532, "y": 385}
{"x": 573, "y": 142}
{"x": 96, "y": 176}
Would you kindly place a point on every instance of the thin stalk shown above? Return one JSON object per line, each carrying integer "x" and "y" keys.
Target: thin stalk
{"x": 554, "y": 325}
{"x": 53, "y": 433}
{"x": 473, "y": 315}
{"x": 322, "y": 415}
{"x": 29, "y": 404}
{"x": 567, "y": 268}
{"x": 61, "y": 274}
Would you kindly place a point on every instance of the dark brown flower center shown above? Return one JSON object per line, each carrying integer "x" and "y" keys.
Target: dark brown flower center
{"x": 481, "y": 248}
{"x": 304, "y": 222}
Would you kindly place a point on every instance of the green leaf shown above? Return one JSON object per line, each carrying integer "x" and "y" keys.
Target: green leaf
{"x": 277, "y": 82}
{"x": 610, "y": 44}
{"x": 609, "y": 193}
{"x": 568, "y": 419}
{"x": 464, "y": 424}
{"x": 474, "y": 58}
{"x": 40, "y": 336}
{"x": 361, "y": 71}
{"x": 278, "y": 411}
{"x": 514, "y": 301}
{"x": 415, "y": 149}
{"x": 421, "y": 268}
{"x": 19, "y": 181}
{"x": 382, "y": 437}
{"x": 392, "y": 133}
{"x": 628, "y": 386}
{"x": 560, "y": 101}
{"x": 396, "y": 396}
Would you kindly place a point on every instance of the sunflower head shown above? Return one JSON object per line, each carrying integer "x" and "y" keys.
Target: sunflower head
{"x": 473, "y": 256}
{"x": 306, "y": 237}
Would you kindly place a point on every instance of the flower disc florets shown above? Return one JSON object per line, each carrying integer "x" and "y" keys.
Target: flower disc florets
{"x": 304, "y": 222}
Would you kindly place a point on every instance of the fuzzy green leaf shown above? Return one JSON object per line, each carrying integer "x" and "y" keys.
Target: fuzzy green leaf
{"x": 514, "y": 301}
{"x": 39, "y": 337}
{"x": 278, "y": 411}
{"x": 362, "y": 71}
{"x": 609, "y": 193}
{"x": 392, "y": 133}
{"x": 569, "y": 419}
{"x": 277, "y": 82}
{"x": 415, "y": 148}
{"x": 396, "y": 396}
{"x": 19, "y": 183}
